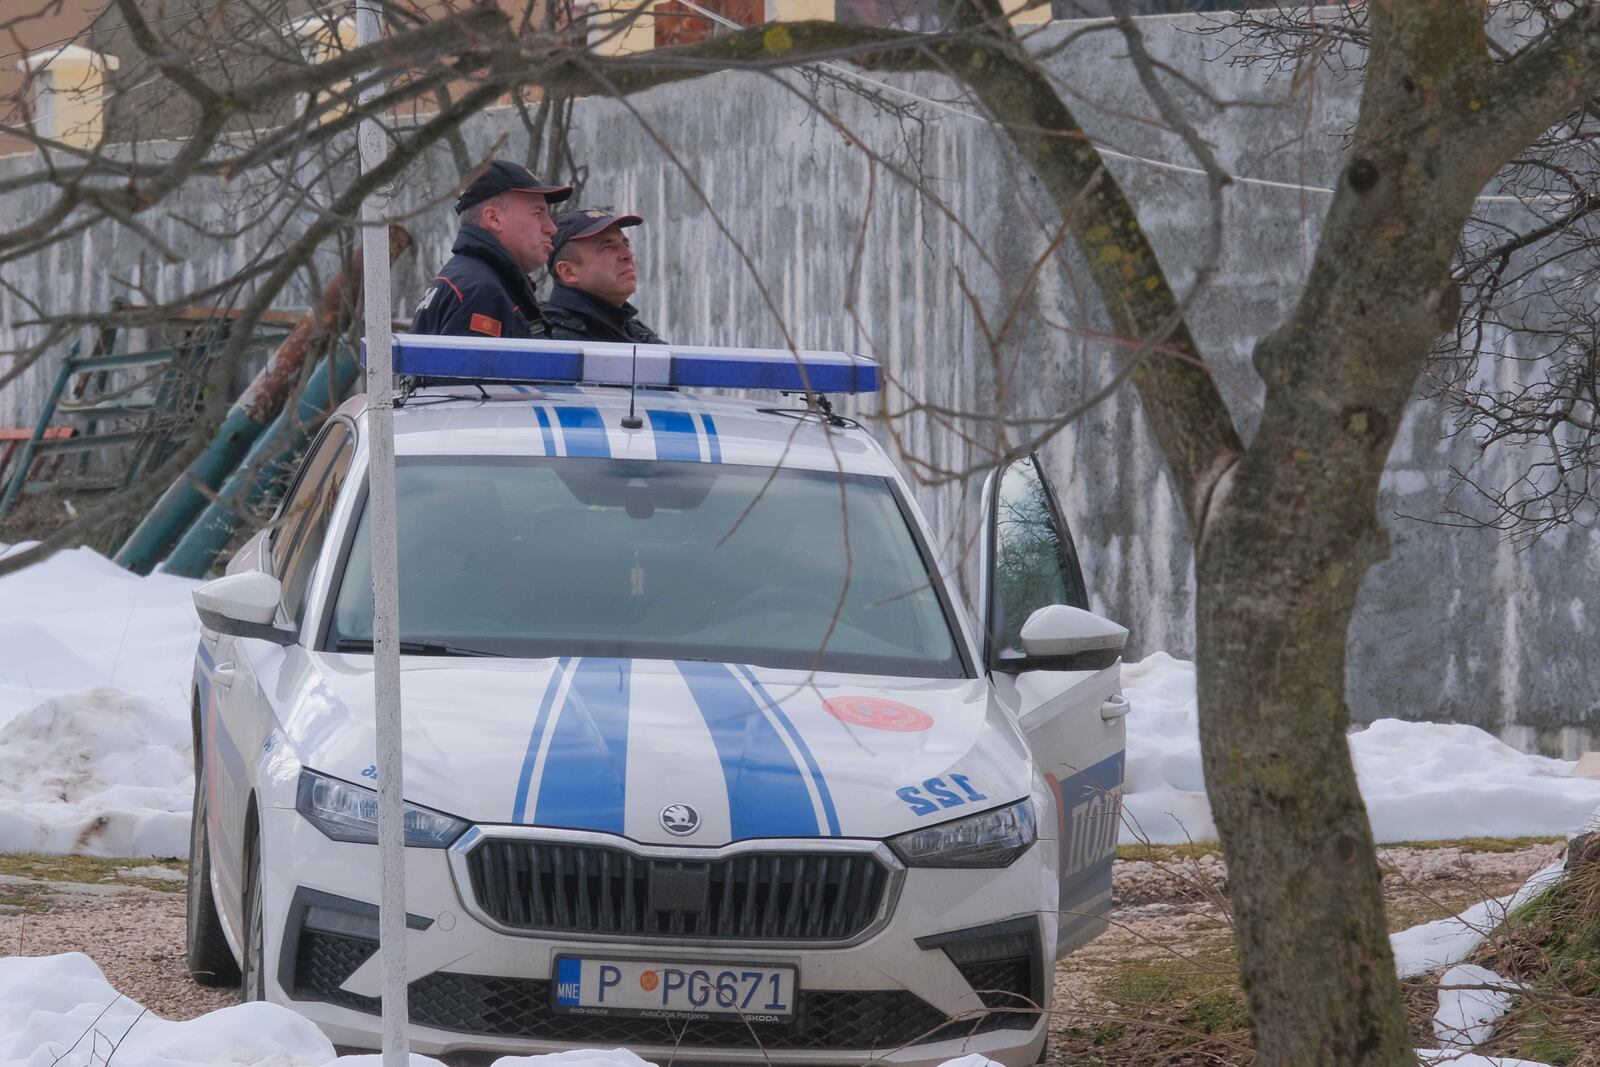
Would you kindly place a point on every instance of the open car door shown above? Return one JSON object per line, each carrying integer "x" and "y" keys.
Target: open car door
{"x": 1058, "y": 665}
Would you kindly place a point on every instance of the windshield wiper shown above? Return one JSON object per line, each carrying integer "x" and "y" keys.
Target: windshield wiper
{"x": 412, "y": 648}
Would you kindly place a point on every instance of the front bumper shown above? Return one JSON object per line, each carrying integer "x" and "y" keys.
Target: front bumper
{"x": 952, "y": 965}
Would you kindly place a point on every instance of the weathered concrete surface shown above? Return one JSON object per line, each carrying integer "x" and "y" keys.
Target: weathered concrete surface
{"x": 1454, "y": 625}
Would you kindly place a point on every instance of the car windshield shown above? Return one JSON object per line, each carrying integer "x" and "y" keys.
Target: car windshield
{"x": 535, "y": 557}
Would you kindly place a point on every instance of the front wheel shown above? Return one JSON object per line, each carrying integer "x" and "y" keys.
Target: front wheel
{"x": 211, "y": 961}
{"x": 252, "y": 980}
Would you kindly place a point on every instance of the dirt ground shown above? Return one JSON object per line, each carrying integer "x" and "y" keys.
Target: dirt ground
{"x": 1162, "y": 968}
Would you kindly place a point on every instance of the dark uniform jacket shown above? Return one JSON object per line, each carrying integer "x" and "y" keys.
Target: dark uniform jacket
{"x": 576, "y": 315}
{"x": 480, "y": 292}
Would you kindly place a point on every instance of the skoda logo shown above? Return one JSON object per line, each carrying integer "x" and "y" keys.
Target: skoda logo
{"x": 680, "y": 819}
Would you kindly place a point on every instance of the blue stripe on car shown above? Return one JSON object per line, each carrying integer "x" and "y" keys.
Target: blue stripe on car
{"x": 544, "y": 428}
{"x": 767, "y": 795}
{"x": 677, "y": 437}
{"x": 820, "y": 782}
{"x": 584, "y": 785}
{"x": 711, "y": 437}
{"x": 585, "y": 432}
{"x": 521, "y": 804}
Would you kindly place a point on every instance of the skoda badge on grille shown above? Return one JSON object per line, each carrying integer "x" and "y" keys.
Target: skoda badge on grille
{"x": 680, "y": 819}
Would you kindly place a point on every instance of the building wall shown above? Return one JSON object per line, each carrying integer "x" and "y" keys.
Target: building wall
{"x": 57, "y": 25}
{"x": 1454, "y": 625}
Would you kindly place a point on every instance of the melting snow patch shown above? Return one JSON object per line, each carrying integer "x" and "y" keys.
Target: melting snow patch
{"x": 1448, "y": 941}
{"x": 1450, "y": 1057}
{"x": 153, "y": 873}
{"x": 1471, "y": 999}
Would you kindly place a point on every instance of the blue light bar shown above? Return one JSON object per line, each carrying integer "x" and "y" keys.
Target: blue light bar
{"x": 500, "y": 359}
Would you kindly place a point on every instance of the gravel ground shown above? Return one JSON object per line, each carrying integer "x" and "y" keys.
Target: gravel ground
{"x": 135, "y": 933}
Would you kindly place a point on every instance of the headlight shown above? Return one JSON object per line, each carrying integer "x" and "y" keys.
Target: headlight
{"x": 992, "y": 839}
{"x": 348, "y": 812}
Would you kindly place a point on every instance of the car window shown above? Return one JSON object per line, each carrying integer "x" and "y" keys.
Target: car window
{"x": 296, "y": 505}
{"x": 1034, "y": 561}
{"x": 657, "y": 560}
{"x": 321, "y": 480}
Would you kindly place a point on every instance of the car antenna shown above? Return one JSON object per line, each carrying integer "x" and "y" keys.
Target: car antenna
{"x": 630, "y": 421}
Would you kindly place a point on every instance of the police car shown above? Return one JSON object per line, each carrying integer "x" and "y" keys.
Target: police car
{"x": 703, "y": 754}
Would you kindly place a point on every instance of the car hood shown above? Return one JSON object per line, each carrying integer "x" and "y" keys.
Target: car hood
{"x": 688, "y": 753}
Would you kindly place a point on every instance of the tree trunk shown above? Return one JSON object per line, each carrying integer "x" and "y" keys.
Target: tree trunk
{"x": 1293, "y": 529}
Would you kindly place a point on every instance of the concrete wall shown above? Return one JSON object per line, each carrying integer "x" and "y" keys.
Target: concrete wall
{"x": 1454, "y": 625}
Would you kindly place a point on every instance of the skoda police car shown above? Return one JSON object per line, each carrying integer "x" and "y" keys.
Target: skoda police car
{"x": 703, "y": 754}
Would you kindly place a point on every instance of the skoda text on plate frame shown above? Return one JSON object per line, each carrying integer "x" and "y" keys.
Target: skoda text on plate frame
{"x": 704, "y": 756}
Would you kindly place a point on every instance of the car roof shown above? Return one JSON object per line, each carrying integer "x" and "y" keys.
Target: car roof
{"x": 564, "y": 420}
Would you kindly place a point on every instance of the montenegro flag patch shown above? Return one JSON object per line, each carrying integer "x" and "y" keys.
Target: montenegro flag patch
{"x": 484, "y": 324}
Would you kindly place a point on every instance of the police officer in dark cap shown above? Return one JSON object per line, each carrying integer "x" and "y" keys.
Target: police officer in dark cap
{"x": 506, "y": 233}
{"x": 595, "y": 273}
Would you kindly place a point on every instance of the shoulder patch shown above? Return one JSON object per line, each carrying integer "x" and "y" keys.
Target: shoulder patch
{"x": 484, "y": 324}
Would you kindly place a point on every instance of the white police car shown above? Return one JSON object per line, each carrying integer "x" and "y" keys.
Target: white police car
{"x": 703, "y": 757}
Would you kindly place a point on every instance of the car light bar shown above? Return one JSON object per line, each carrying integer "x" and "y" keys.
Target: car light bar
{"x": 501, "y": 359}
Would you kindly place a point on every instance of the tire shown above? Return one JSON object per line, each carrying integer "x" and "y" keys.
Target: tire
{"x": 252, "y": 969}
{"x": 211, "y": 961}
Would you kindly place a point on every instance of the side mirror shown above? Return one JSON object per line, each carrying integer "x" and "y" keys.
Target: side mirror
{"x": 243, "y": 605}
{"x": 1059, "y": 630}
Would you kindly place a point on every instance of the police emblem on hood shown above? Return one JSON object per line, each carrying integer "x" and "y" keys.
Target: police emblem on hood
{"x": 680, "y": 819}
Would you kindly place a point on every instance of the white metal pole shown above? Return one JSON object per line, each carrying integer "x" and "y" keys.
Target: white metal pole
{"x": 385, "y": 576}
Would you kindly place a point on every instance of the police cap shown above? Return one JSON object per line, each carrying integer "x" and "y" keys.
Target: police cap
{"x": 576, "y": 225}
{"x": 504, "y": 176}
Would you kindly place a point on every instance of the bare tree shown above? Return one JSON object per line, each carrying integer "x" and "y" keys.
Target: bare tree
{"x": 1285, "y": 524}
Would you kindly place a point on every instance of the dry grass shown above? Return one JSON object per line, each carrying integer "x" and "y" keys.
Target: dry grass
{"x": 90, "y": 870}
{"x": 1172, "y": 998}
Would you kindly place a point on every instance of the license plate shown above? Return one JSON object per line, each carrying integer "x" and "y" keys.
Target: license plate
{"x": 754, "y": 993}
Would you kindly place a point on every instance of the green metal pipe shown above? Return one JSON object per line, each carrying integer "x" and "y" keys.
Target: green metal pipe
{"x": 260, "y": 476}
{"x": 177, "y": 507}
{"x": 25, "y": 456}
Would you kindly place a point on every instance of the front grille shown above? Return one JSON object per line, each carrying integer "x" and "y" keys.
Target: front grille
{"x": 758, "y": 896}
{"x": 1006, "y": 988}
{"x": 520, "y": 1007}
{"x": 324, "y": 962}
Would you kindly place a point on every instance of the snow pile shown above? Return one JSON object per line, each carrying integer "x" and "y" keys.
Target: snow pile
{"x": 61, "y": 1010}
{"x": 1164, "y": 788}
{"x": 1471, "y": 998}
{"x": 101, "y": 773}
{"x": 77, "y": 620}
{"x": 1421, "y": 781}
{"x": 1446, "y": 941}
{"x": 94, "y": 709}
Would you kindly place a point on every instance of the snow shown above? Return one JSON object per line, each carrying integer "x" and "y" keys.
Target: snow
{"x": 1450, "y": 1057}
{"x": 1471, "y": 998}
{"x": 76, "y": 621}
{"x": 1421, "y": 781}
{"x": 1447, "y": 941}
{"x": 94, "y": 712}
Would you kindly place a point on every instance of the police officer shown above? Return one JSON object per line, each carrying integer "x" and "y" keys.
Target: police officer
{"x": 506, "y": 232}
{"x": 595, "y": 273}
